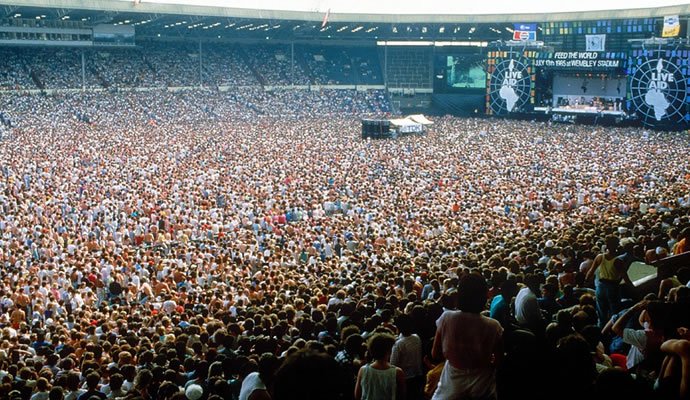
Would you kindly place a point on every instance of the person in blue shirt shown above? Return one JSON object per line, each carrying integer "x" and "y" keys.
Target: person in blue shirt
{"x": 40, "y": 341}
{"x": 500, "y": 305}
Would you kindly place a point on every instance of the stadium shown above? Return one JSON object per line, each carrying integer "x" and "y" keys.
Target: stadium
{"x": 221, "y": 200}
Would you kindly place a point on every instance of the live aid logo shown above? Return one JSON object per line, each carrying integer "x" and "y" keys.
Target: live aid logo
{"x": 660, "y": 78}
{"x": 512, "y": 77}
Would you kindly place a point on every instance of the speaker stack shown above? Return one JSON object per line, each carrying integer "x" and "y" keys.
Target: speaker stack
{"x": 376, "y": 128}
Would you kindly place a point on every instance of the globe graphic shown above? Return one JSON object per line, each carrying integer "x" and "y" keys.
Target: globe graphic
{"x": 671, "y": 99}
{"x": 514, "y": 91}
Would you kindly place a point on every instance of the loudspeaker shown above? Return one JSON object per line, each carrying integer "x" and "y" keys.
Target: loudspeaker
{"x": 375, "y": 129}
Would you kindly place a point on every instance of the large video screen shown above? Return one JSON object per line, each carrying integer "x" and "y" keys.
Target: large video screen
{"x": 465, "y": 71}
{"x": 459, "y": 71}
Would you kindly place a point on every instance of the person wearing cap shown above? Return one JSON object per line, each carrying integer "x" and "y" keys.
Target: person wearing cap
{"x": 15, "y": 395}
{"x": 194, "y": 392}
{"x": 655, "y": 254}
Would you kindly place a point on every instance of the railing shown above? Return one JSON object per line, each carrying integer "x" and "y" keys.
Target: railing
{"x": 361, "y": 88}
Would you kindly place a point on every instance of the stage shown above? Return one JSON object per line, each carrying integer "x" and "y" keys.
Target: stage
{"x": 593, "y": 111}
{"x": 586, "y": 115}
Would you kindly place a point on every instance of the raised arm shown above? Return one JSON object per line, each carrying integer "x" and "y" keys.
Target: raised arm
{"x": 620, "y": 324}
{"x": 608, "y": 328}
{"x": 681, "y": 349}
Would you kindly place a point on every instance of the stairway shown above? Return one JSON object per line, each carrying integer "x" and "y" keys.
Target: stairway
{"x": 382, "y": 63}
{"x": 36, "y": 78}
{"x": 260, "y": 78}
{"x": 299, "y": 60}
{"x": 104, "y": 82}
{"x": 151, "y": 66}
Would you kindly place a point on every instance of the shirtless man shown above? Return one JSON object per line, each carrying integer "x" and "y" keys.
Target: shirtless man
{"x": 17, "y": 317}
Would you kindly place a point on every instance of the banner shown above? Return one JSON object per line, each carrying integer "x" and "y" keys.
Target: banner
{"x": 579, "y": 60}
{"x": 525, "y": 32}
{"x": 510, "y": 86}
{"x": 671, "y": 26}
{"x": 595, "y": 42}
{"x": 658, "y": 89}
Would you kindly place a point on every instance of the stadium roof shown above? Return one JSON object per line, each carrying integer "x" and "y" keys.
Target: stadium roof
{"x": 159, "y": 18}
{"x": 448, "y": 13}
{"x": 428, "y": 7}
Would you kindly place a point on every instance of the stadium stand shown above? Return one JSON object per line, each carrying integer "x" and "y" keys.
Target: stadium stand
{"x": 122, "y": 68}
{"x": 409, "y": 68}
{"x": 274, "y": 64}
{"x": 343, "y": 65}
{"x": 15, "y": 73}
{"x": 224, "y": 66}
{"x": 170, "y": 65}
{"x": 175, "y": 68}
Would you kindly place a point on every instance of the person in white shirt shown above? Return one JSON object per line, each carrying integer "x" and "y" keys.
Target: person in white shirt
{"x": 169, "y": 305}
{"x": 527, "y": 311}
{"x": 407, "y": 355}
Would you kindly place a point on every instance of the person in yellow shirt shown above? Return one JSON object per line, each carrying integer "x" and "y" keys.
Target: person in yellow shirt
{"x": 611, "y": 271}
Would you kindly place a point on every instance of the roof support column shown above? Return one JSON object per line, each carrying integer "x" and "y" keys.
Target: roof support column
{"x": 83, "y": 71}
{"x": 201, "y": 74}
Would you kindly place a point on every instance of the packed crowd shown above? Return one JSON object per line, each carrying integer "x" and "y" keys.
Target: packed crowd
{"x": 166, "y": 65}
{"x": 121, "y": 68}
{"x": 276, "y": 65}
{"x": 342, "y": 65}
{"x": 131, "y": 109}
{"x": 225, "y": 66}
{"x": 250, "y": 245}
{"x": 56, "y": 69}
{"x": 14, "y": 74}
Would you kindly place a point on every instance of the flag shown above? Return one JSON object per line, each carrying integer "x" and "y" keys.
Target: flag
{"x": 325, "y": 18}
{"x": 525, "y": 32}
{"x": 671, "y": 26}
{"x": 596, "y": 42}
